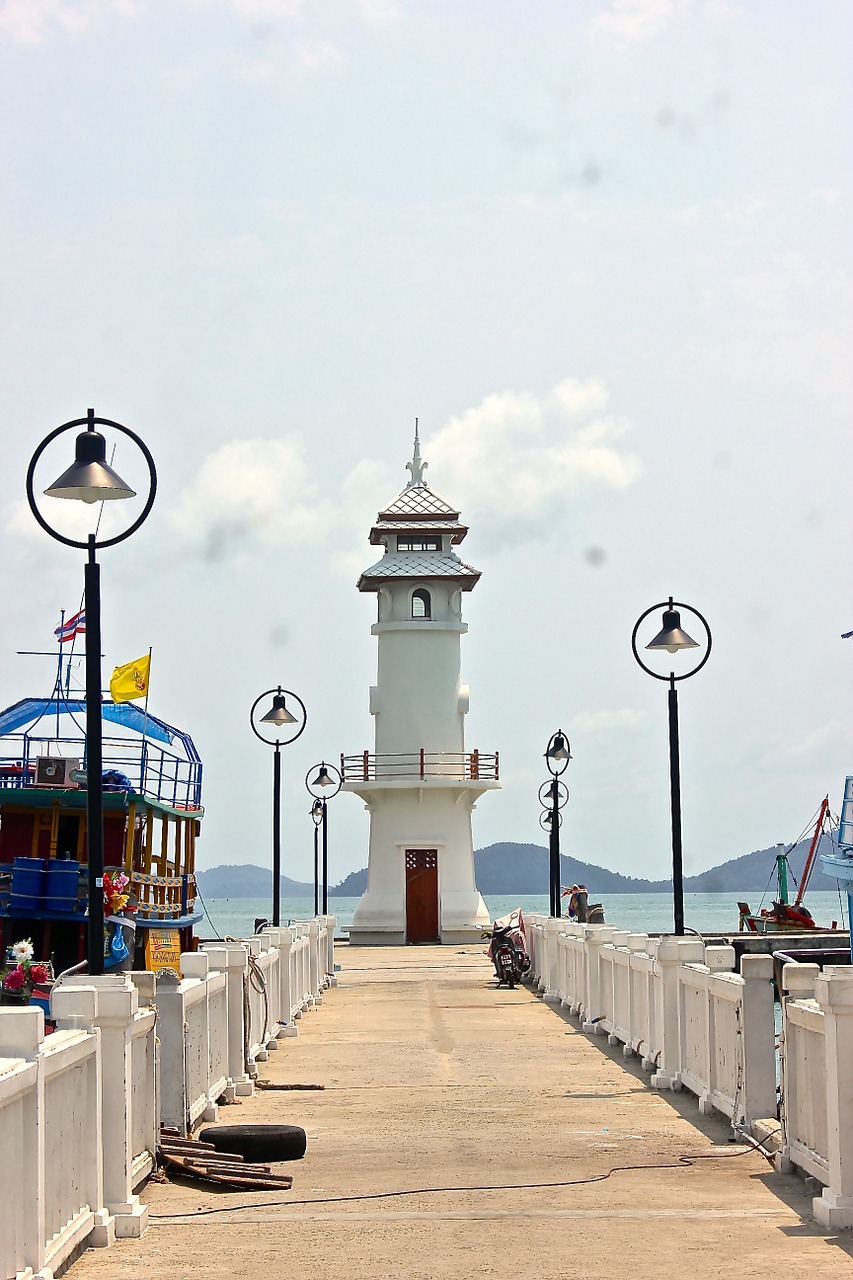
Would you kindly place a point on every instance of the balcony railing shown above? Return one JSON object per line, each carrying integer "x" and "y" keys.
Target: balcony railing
{"x": 454, "y": 766}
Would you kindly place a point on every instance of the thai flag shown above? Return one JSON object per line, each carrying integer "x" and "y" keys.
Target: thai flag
{"x": 71, "y": 627}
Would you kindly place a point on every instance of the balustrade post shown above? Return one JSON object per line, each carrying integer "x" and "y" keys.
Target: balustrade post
{"x": 21, "y": 1036}
{"x": 758, "y": 1040}
{"x": 113, "y": 1012}
{"x": 834, "y": 993}
{"x": 669, "y": 953}
{"x": 231, "y": 959}
{"x": 594, "y": 938}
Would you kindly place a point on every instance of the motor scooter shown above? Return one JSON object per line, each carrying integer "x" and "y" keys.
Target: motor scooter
{"x": 508, "y": 948}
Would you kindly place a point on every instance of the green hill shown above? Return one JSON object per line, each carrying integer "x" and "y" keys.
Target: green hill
{"x": 508, "y": 868}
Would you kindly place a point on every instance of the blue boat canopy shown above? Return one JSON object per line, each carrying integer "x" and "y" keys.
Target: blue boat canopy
{"x": 125, "y": 714}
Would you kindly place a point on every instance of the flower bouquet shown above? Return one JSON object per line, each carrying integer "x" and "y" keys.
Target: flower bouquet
{"x": 17, "y": 981}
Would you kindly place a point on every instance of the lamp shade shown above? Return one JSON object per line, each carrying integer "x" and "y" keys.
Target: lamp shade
{"x": 90, "y": 478}
{"x": 278, "y": 714}
{"x": 324, "y": 778}
{"x": 559, "y": 749}
{"x": 671, "y": 637}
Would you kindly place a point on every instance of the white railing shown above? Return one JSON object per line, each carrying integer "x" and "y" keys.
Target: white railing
{"x": 674, "y": 1002}
{"x": 50, "y": 1123}
{"x": 817, "y": 1084}
{"x": 81, "y": 1110}
{"x": 121, "y": 1009}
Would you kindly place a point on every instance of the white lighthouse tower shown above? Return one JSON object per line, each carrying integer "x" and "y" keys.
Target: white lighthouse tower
{"x": 420, "y": 783}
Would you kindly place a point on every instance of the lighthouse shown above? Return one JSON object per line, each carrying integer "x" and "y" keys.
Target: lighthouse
{"x": 420, "y": 783}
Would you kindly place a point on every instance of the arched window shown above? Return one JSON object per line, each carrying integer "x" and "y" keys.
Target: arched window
{"x": 421, "y": 604}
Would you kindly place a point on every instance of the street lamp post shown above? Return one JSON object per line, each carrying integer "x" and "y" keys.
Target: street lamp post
{"x": 557, "y": 757}
{"x": 672, "y": 639}
{"x": 323, "y": 786}
{"x": 91, "y": 479}
{"x": 317, "y": 818}
{"x": 278, "y": 717}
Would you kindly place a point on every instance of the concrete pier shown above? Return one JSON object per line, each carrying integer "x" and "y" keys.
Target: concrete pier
{"x": 470, "y": 1131}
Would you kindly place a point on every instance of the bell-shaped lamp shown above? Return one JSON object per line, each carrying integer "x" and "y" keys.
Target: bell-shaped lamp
{"x": 278, "y": 715}
{"x": 90, "y": 478}
{"x": 324, "y": 778}
{"x": 560, "y": 748}
{"x": 671, "y": 637}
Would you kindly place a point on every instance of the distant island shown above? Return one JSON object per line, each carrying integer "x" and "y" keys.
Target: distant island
{"x": 508, "y": 868}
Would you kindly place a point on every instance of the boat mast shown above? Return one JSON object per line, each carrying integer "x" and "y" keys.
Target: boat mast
{"x": 782, "y": 875}
{"x": 807, "y": 869}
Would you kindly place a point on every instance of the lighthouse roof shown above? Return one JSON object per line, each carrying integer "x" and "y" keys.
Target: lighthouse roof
{"x": 418, "y": 530}
{"x": 416, "y": 508}
{"x": 419, "y": 565}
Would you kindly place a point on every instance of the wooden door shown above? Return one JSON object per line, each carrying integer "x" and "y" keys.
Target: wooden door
{"x": 422, "y": 895}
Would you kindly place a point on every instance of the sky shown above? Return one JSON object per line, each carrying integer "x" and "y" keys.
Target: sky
{"x": 600, "y": 249}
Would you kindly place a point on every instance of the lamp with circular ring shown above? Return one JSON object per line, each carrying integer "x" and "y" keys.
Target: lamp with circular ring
{"x": 546, "y": 818}
{"x": 546, "y": 794}
{"x": 557, "y": 756}
{"x": 278, "y": 717}
{"x": 324, "y": 784}
{"x": 90, "y": 479}
{"x": 673, "y": 639}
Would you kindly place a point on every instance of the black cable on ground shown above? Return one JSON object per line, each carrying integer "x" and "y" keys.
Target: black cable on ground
{"x": 683, "y": 1162}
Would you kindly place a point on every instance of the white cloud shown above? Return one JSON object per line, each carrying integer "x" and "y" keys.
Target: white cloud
{"x": 33, "y": 21}
{"x": 518, "y": 457}
{"x": 318, "y": 56}
{"x": 826, "y": 195}
{"x": 607, "y": 722}
{"x": 249, "y": 494}
{"x": 379, "y": 13}
{"x": 255, "y": 9}
{"x": 632, "y": 22}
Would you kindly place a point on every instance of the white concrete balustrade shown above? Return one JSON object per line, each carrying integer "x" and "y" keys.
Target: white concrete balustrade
{"x": 817, "y": 1084}
{"x": 50, "y": 1137}
{"x": 81, "y": 1109}
{"x": 676, "y": 1004}
{"x": 699, "y": 1025}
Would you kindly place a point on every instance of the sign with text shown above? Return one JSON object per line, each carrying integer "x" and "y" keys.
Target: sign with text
{"x": 163, "y": 949}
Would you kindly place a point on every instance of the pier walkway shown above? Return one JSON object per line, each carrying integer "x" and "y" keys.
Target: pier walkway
{"x": 466, "y": 1131}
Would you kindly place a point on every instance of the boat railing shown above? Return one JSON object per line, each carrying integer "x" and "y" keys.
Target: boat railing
{"x": 148, "y": 768}
{"x": 457, "y": 766}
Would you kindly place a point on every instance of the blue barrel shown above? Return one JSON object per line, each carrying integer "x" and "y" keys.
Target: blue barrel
{"x": 27, "y": 884}
{"x": 63, "y": 877}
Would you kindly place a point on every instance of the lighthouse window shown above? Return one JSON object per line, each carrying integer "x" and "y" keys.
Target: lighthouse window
{"x": 421, "y": 606}
{"x": 419, "y": 542}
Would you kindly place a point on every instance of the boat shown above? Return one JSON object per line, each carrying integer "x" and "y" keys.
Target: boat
{"x": 152, "y": 775}
{"x": 785, "y": 916}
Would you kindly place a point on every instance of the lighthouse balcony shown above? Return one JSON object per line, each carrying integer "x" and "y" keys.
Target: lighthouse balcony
{"x": 440, "y": 767}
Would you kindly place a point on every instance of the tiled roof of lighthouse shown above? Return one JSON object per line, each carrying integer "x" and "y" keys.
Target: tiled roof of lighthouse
{"x": 418, "y": 510}
{"x": 420, "y": 564}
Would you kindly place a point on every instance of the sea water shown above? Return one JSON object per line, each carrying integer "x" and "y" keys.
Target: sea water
{"x": 637, "y": 912}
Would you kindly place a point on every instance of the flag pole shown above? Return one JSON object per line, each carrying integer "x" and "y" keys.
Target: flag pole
{"x": 145, "y": 720}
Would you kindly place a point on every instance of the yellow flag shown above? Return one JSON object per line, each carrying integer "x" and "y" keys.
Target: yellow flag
{"x": 131, "y": 680}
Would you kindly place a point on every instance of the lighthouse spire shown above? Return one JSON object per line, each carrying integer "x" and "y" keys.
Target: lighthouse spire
{"x": 416, "y": 467}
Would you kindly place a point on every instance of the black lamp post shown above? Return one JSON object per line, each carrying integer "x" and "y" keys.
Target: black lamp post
{"x": 325, "y": 783}
{"x": 557, "y": 757}
{"x": 672, "y": 639}
{"x": 317, "y": 818}
{"x": 90, "y": 479}
{"x": 278, "y": 717}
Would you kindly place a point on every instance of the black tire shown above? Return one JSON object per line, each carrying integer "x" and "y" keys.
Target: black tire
{"x": 258, "y": 1143}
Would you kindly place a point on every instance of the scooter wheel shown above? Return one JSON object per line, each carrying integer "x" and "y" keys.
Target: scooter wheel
{"x": 257, "y": 1143}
